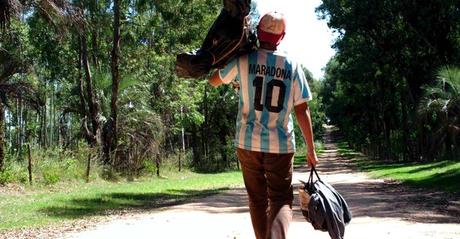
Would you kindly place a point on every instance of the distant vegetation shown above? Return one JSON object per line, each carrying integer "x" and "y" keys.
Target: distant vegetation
{"x": 393, "y": 86}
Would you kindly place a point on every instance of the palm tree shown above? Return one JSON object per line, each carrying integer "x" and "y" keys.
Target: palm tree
{"x": 439, "y": 113}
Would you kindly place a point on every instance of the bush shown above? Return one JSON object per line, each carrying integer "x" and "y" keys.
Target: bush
{"x": 6, "y": 177}
{"x": 51, "y": 175}
{"x": 49, "y": 167}
{"x": 149, "y": 167}
{"x": 14, "y": 173}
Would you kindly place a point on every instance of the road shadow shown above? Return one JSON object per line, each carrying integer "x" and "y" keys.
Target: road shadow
{"x": 116, "y": 203}
{"x": 231, "y": 201}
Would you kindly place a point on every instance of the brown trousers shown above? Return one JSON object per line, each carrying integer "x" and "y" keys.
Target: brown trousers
{"x": 268, "y": 178}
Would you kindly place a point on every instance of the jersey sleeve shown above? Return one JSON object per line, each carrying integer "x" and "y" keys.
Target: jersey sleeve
{"x": 229, "y": 72}
{"x": 301, "y": 89}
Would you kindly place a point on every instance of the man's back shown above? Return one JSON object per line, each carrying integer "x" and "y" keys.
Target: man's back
{"x": 270, "y": 85}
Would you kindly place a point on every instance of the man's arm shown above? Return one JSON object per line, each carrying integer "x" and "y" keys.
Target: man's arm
{"x": 302, "y": 113}
{"x": 215, "y": 79}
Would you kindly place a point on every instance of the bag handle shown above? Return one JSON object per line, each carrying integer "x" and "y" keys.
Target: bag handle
{"x": 310, "y": 179}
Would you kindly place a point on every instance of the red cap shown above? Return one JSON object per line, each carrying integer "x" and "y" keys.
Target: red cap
{"x": 272, "y": 27}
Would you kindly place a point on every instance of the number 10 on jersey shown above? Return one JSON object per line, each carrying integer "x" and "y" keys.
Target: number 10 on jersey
{"x": 259, "y": 105}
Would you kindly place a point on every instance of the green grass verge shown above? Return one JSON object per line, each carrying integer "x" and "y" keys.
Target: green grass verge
{"x": 38, "y": 208}
{"x": 300, "y": 157}
{"x": 441, "y": 175}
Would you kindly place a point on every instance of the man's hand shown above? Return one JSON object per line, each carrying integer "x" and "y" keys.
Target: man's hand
{"x": 312, "y": 159}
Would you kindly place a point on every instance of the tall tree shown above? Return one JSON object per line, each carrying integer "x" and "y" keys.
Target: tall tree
{"x": 111, "y": 142}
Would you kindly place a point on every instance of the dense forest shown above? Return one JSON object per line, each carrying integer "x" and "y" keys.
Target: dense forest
{"x": 92, "y": 82}
{"x": 393, "y": 86}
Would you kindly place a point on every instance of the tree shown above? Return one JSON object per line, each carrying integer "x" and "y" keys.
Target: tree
{"x": 105, "y": 72}
{"x": 12, "y": 86}
{"x": 386, "y": 50}
{"x": 439, "y": 114}
{"x": 111, "y": 136}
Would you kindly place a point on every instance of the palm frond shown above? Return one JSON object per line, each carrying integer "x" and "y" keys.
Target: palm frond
{"x": 449, "y": 78}
{"x": 129, "y": 81}
{"x": 434, "y": 91}
{"x": 61, "y": 14}
{"x": 21, "y": 90}
{"x": 9, "y": 65}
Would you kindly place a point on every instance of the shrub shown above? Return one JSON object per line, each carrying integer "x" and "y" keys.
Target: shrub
{"x": 51, "y": 174}
{"x": 14, "y": 173}
{"x": 6, "y": 177}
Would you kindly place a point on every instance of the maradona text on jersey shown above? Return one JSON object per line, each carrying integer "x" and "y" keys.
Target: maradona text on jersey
{"x": 272, "y": 71}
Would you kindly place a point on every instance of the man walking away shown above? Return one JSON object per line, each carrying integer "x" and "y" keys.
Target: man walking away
{"x": 271, "y": 86}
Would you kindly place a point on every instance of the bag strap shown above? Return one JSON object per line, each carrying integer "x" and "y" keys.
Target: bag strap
{"x": 310, "y": 179}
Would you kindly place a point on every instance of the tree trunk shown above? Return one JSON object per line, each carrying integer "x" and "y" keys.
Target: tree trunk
{"x": 223, "y": 142}
{"x": 91, "y": 140}
{"x": 157, "y": 164}
{"x": 195, "y": 150}
{"x": 93, "y": 105}
{"x": 17, "y": 129}
{"x": 111, "y": 139}
{"x": 2, "y": 138}
{"x": 88, "y": 166}
{"x": 94, "y": 37}
{"x": 29, "y": 167}
{"x": 204, "y": 131}
{"x": 44, "y": 130}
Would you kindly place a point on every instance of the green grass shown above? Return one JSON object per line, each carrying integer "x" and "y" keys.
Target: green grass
{"x": 38, "y": 208}
{"x": 300, "y": 157}
{"x": 441, "y": 175}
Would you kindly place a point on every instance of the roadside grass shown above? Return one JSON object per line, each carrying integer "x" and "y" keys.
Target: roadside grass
{"x": 439, "y": 175}
{"x": 300, "y": 157}
{"x": 67, "y": 202}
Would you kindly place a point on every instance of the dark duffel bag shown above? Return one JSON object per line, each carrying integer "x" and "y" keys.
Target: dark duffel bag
{"x": 229, "y": 36}
{"x": 325, "y": 208}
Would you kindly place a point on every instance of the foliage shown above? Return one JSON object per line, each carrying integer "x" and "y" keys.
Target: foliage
{"x": 154, "y": 105}
{"x": 49, "y": 167}
{"x": 300, "y": 157}
{"x": 439, "y": 114}
{"x": 317, "y": 111}
{"x": 386, "y": 52}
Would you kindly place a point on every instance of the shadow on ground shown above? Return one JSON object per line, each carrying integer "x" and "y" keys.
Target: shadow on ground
{"x": 115, "y": 203}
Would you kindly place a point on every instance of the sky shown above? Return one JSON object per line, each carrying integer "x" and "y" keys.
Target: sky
{"x": 307, "y": 39}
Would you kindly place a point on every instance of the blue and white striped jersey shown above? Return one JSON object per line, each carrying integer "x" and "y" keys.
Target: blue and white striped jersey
{"x": 271, "y": 84}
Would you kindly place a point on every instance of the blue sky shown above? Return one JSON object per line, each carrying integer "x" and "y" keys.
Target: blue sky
{"x": 307, "y": 38}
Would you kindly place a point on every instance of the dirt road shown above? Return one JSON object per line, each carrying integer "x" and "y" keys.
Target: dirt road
{"x": 381, "y": 210}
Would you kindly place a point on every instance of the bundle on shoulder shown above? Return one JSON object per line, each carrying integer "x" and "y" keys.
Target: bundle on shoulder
{"x": 229, "y": 36}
